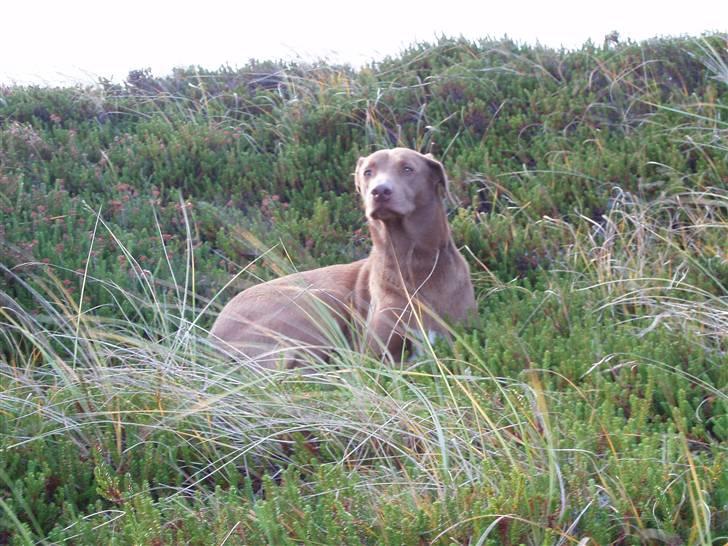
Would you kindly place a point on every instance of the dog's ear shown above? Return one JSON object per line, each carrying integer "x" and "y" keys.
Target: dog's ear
{"x": 440, "y": 176}
{"x": 357, "y": 181}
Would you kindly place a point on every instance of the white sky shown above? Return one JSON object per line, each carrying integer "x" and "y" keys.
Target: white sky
{"x": 79, "y": 40}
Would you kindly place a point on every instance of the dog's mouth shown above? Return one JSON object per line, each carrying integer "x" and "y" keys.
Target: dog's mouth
{"x": 383, "y": 211}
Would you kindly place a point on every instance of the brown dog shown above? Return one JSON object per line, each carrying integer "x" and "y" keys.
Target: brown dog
{"x": 413, "y": 278}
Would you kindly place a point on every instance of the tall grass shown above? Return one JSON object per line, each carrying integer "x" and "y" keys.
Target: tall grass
{"x": 586, "y": 405}
{"x": 659, "y": 263}
{"x": 442, "y": 430}
{"x": 422, "y": 430}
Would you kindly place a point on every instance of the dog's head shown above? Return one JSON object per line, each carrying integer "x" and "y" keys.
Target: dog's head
{"x": 394, "y": 183}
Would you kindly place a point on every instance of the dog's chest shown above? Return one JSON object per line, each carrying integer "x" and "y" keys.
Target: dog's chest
{"x": 432, "y": 285}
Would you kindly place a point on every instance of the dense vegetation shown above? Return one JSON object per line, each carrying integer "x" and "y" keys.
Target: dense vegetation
{"x": 588, "y": 405}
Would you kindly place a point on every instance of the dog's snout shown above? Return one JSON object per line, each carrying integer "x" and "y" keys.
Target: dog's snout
{"x": 382, "y": 192}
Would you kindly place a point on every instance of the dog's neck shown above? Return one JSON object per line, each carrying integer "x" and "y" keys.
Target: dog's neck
{"x": 416, "y": 243}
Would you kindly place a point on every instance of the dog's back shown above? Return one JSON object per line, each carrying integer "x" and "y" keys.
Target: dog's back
{"x": 277, "y": 321}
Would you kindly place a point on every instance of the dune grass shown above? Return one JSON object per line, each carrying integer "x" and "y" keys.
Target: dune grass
{"x": 452, "y": 447}
{"x": 587, "y": 405}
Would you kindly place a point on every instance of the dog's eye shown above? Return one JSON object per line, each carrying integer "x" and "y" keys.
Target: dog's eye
{"x": 408, "y": 169}
{"x": 367, "y": 173}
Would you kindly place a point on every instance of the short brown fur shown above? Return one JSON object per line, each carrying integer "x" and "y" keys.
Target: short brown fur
{"x": 413, "y": 277}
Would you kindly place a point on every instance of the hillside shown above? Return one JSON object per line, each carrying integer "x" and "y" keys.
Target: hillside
{"x": 589, "y": 403}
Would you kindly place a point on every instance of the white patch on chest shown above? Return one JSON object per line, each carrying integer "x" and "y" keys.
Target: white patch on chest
{"x": 418, "y": 351}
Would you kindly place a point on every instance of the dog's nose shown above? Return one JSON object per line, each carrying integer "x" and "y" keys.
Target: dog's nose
{"x": 382, "y": 192}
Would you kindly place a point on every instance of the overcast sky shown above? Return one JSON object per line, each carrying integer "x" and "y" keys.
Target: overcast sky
{"x": 77, "y": 40}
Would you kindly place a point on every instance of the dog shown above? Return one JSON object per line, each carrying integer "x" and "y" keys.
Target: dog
{"x": 413, "y": 280}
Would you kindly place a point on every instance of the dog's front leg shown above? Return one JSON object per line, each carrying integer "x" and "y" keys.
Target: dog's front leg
{"x": 386, "y": 332}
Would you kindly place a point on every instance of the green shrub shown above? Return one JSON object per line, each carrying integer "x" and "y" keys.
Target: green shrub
{"x": 587, "y": 399}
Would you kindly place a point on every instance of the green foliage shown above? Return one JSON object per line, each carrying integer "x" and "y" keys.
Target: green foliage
{"x": 587, "y": 400}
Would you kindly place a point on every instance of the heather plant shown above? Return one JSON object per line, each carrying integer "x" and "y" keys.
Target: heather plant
{"x": 585, "y": 404}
